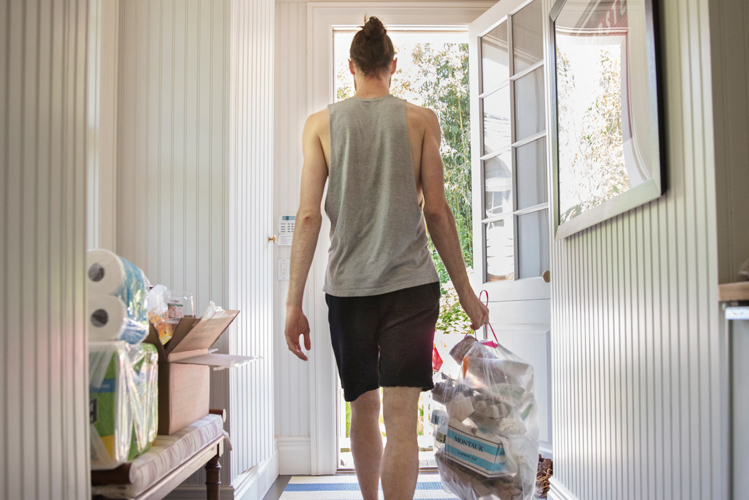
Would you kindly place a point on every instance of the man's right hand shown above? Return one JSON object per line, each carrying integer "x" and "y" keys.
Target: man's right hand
{"x": 477, "y": 312}
{"x": 296, "y": 326}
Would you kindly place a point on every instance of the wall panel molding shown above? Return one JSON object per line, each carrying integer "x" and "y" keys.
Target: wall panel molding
{"x": 250, "y": 269}
{"x": 44, "y": 440}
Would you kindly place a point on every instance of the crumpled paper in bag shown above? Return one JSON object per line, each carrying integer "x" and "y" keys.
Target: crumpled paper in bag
{"x": 486, "y": 431}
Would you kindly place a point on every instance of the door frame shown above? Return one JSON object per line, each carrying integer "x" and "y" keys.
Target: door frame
{"x": 322, "y": 19}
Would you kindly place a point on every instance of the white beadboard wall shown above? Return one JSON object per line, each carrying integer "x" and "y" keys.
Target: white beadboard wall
{"x": 194, "y": 194}
{"x": 43, "y": 152}
{"x": 172, "y": 166}
{"x": 635, "y": 313}
{"x": 251, "y": 268}
{"x": 729, "y": 40}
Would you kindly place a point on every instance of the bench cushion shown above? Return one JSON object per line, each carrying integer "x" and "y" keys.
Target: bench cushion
{"x": 166, "y": 454}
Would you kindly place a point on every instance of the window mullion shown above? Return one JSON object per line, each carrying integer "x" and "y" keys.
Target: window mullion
{"x": 534, "y": 208}
{"x": 499, "y": 87}
{"x": 514, "y": 170}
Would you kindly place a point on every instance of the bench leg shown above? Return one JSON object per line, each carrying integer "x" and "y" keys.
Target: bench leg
{"x": 213, "y": 478}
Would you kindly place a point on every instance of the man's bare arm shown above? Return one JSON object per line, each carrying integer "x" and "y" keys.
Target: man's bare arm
{"x": 441, "y": 223}
{"x": 306, "y": 232}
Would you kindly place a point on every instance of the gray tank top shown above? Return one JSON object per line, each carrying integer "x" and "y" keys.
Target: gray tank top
{"x": 378, "y": 241}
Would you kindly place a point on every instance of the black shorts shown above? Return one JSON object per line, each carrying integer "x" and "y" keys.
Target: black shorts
{"x": 384, "y": 340}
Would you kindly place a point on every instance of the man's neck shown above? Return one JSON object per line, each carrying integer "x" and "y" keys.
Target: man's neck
{"x": 370, "y": 88}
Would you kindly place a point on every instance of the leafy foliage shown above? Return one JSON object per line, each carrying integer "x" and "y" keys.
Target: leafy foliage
{"x": 452, "y": 318}
{"x": 445, "y": 89}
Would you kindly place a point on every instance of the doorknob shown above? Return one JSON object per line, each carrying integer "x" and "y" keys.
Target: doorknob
{"x": 546, "y": 276}
{"x": 274, "y": 239}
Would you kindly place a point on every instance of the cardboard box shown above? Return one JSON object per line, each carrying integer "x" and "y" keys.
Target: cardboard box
{"x": 185, "y": 364}
{"x": 485, "y": 456}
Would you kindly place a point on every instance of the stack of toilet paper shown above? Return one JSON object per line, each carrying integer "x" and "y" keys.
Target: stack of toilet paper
{"x": 116, "y": 298}
{"x": 123, "y": 372}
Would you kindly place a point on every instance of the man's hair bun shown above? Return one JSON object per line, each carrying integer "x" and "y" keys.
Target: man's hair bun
{"x": 374, "y": 28}
{"x": 372, "y": 50}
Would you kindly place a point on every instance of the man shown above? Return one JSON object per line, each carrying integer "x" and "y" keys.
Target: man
{"x": 382, "y": 157}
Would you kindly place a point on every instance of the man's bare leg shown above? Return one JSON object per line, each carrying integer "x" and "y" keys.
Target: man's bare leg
{"x": 400, "y": 463}
{"x": 366, "y": 442}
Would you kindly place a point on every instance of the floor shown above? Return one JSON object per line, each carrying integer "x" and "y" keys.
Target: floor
{"x": 274, "y": 493}
{"x": 343, "y": 487}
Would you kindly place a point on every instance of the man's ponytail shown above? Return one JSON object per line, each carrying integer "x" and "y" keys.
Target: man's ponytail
{"x": 372, "y": 50}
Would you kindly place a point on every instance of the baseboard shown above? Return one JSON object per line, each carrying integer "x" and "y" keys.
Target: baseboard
{"x": 559, "y": 492}
{"x": 295, "y": 455}
{"x": 250, "y": 485}
{"x": 255, "y": 483}
{"x": 545, "y": 450}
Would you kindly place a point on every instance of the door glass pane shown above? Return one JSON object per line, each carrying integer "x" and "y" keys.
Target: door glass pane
{"x": 527, "y": 38}
{"x": 530, "y": 109}
{"x": 498, "y": 184}
{"x": 497, "y": 120}
{"x": 531, "y": 173}
{"x": 500, "y": 263}
{"x": 495, "y": 58}
{"x": 533, "y": 244}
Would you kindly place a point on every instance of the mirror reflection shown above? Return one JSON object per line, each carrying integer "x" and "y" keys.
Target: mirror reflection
{"x": 603, "y": 110}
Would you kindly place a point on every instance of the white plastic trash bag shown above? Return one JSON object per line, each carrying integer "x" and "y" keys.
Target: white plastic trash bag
{"x": 486, "y": 423}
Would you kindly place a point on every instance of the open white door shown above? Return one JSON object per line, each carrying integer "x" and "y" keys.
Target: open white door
{"x": 510, "y": 187}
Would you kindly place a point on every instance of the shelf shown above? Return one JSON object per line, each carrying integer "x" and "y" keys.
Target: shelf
{"x": 734, "y": 292}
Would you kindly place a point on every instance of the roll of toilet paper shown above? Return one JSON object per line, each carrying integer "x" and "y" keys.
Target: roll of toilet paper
{"x": 109, "y": 320}
{"x": 110, "y": 274}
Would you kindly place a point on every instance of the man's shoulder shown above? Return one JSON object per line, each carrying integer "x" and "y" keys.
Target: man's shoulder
{"x": 319, "y": 116}
{"x": 420, "y": 117}
{"x": 318, "y": 121}
{"x": 420, "y": 113}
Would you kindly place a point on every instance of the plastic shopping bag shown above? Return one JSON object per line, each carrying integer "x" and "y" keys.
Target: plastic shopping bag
{"x": 486, "y": 429}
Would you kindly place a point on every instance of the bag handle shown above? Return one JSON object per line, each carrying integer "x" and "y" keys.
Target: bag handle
{"x": 487, "y": 305}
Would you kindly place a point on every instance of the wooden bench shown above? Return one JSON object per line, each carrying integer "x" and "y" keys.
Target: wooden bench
{"x": 128, "y": 482}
